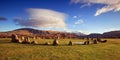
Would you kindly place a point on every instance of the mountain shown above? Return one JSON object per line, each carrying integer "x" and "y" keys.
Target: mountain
{"x": 111, "y": 34}
{"x": 48, "y": 34}
{"x": 94, "y": 35}
{"x": 39, "y": 33}
{"x": 80, "y": 34}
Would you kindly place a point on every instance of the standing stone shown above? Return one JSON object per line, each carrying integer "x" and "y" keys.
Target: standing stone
{"x": 34, "y": 42}
{"x": 98, "y": 39}
{"x": 19, "y": 40}
{"x": 14, "y": 38}
{"x": 70, "y": 43}
{"x": 47, "y": 43}
{"x": 104, "y": 41}
{"x": 55, "y": 42}
{"x": 28, "y": 40}
{"x": 86, "y": 42}
{"x": 22, "y": 38}
{"x": 94, "y": 41}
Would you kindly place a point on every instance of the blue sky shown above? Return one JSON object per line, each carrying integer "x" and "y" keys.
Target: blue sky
{"x": 84, "y": 16}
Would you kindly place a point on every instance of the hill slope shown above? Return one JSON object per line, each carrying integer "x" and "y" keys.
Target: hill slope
{"x": 111, "y": 34}
{"x": 51, "y": 34}
{"x": 39, "y": 33}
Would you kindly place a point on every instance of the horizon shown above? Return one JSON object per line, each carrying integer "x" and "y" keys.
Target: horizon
{"x": 85, "y": 16}
{"x": 62, "y": 31}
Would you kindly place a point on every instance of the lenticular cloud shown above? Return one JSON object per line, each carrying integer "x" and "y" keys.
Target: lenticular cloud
{"x": 110, "y": 5}
{"x": 43, "y": 18}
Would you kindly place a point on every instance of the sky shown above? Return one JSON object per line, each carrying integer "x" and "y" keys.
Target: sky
{"x": 86, "y": 16}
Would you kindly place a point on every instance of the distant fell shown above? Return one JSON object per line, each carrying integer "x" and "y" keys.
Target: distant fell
{"x": 40, "y": 33}
{"x": 48, "y": 34}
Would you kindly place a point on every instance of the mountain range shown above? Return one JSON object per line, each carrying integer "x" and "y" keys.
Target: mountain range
{"x": 48, "y": 34}
{"x": 40, "y": 33}
{"x": 110, "y": 34}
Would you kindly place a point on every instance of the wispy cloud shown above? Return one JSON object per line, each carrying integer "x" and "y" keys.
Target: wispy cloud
{"x": 3, "y": 19}
{"x": 67, "y": 30}
{"x": 75, "y": 16}
{"x": 111, "y": 29}
{"x": 79, "y": 22}
{"x": 88, "y": 4}
{"x": 110, "y": 5}
{"x": 44, "y": 18}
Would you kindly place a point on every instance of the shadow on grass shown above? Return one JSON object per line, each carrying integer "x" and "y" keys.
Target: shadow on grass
{"x": 4, "y": 41}
{"x": 9, "y": 41}
{"x": 51, "y": 45}
{"x": 46, "y": 45}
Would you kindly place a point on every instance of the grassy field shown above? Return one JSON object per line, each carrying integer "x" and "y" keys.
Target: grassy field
{"x": 100, "y": 51}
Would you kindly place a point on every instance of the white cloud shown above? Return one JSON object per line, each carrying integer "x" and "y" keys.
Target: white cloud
{"x": 88, "y": 4}
{"x": 75, "y": 1}
{"x": 75, "y": 16}
{"x": 84, "y": 32}
{"x": 67, "y": 30}
{"x": 110, "y": 5}
{"x": 114, "y": 7}
{"x": 43, "y": 18}
{"x": 111, "y": 29}
{"x": 79, "y": 21}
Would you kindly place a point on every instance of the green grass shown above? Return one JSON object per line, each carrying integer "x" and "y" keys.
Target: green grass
{"x": 100, "y": 51}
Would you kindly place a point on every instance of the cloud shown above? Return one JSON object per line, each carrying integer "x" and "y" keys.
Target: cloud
{"x": 108, "y": 8}
{"x": 67, "y": 30}
{"x": 111, "y": 29}
{"x": 84, "y": 32}
{"x": 110, "y": 5}
{"x": 43, "y": 18}
{"x": 79, "y": 21}
{"x": 75, "y": 16}
{"x": 88, "y": 4}
{"x": 3, "y": 18}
